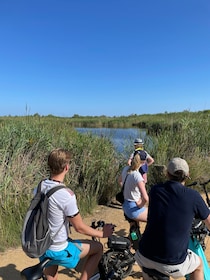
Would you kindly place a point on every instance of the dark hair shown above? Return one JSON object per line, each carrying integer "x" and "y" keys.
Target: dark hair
{"x": 179, "y": 176}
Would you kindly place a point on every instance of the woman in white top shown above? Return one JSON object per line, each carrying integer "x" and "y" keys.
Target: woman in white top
{"x": 135, "y": 193}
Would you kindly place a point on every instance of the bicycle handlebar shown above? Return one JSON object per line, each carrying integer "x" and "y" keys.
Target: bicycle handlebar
{"x": 203, "y": 185}
{"x": 192, "y": 184}
{"x": 199, "y": 183}
{"x": 97, "y": 224}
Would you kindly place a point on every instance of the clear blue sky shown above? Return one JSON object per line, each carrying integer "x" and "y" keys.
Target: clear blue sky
{"x": 104, "y": 57}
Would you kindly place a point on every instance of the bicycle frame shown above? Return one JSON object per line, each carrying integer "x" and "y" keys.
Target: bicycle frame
{"x": 196, "y": 243}
{"x": 117, "y": 261}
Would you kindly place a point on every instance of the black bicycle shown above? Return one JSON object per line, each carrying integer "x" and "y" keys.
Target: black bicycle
{"x": 116, "y": 262}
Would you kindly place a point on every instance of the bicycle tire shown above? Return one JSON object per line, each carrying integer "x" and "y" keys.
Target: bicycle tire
{"x": 119, "y": 261}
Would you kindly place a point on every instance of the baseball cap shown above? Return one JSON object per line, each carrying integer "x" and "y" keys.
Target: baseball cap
{"x": 178, "y": 164}
{"x": 138, "y": 141}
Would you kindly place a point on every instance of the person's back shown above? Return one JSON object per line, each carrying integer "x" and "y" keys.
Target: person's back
{"x": 61, "y": 204}
{"x": 139, "y": 147}
{"x": 172, "y": 207}
{"x": 63, "y": 211}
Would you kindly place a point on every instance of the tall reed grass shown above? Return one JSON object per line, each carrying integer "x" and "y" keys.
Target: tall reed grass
{"x": 95, "y": 165}
{"x": 24, "y": 146}
{"x": 191, "y": 142}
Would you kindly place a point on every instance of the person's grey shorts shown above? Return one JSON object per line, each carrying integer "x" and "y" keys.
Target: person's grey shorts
{"x": 190, "y": 264}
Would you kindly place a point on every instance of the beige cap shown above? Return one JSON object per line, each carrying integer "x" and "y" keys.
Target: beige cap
{"x": 178, "y": 164}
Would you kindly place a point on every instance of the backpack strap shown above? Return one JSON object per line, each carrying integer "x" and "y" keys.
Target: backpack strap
{"x": 39, "y": 186}
{"x": 48, "y": 194}
{"x": 54, "y": 189}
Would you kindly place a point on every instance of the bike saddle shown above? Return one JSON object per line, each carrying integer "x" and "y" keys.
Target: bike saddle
{"x": 154, "y": 274}
{"x": 34, "y": 272}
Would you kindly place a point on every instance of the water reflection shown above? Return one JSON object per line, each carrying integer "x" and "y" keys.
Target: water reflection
{"x": 122, "y": 138}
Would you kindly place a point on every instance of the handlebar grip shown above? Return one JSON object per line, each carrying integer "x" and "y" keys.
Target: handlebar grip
{"x": 205, "y": 183}
{"x": 98, "y": 224}
{"x": 192, "y": 184}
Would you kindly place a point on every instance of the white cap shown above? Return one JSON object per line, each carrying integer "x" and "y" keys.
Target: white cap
{"x": 178, "y": 164}
{"x": 138, "y": 141}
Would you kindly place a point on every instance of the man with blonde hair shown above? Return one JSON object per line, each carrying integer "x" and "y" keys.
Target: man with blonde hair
{"x": 63, "y": 211}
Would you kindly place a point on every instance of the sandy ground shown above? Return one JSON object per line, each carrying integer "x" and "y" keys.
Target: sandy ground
{"x": 14, "y": 260}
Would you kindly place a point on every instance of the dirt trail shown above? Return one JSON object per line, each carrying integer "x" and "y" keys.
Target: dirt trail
{"x": 14, "y": 260}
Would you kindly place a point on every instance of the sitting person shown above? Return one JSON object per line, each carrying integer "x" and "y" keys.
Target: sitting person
{"x": 63, "y": 211}
{"x": 135, "y": 193}
{"x": 172, "y": 207}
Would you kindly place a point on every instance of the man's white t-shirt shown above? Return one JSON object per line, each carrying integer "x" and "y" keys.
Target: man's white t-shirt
{"x": 62, "y": 204}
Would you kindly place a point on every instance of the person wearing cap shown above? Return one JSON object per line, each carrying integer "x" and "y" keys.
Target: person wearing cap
{"x": 165, "y": 241}
{"x": 139, "y": 146}
{"x": 135, "y": 193}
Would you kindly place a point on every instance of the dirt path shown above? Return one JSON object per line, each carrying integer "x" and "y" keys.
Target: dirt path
{"x": 14, "y": 260}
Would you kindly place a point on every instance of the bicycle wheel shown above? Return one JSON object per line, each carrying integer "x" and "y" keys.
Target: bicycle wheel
{"x": 120, "y": 262}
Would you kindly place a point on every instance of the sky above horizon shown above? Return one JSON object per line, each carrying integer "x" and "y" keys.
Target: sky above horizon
{"x": 97, "y": 57}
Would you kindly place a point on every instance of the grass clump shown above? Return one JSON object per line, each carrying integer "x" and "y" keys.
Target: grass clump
{"x": 24, "y": 147}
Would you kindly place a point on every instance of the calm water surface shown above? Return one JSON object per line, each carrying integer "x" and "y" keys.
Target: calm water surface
{"x": 122, "y": 138}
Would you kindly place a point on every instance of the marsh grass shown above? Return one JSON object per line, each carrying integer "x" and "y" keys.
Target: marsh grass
{"x": 95, "y": 164}
{"x": 24, "y": 146}
{"x": 191, "y": 142}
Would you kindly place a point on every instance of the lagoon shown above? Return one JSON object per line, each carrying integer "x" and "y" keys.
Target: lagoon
{"x": 122, "y": 138}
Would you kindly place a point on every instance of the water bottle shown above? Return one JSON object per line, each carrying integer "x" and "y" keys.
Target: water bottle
{"x": 134, "y": 235}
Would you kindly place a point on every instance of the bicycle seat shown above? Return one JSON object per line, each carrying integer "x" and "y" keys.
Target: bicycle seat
{"x": 154, "y": 274}
{"x": 34, "y": 272}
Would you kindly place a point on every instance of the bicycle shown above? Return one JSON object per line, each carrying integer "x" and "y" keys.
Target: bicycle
{"x": 116, "y": 263}
{"x": 197, "y": 244}
{"x": 118, "y": 260}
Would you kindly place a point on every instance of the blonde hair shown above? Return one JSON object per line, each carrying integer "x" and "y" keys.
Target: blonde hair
{"x": 139, "y": 146}
{"x": 135, "y": 163}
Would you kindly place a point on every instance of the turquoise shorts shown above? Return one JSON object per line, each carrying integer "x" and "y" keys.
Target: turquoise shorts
{"x": 131, "y": 209}
{"x": 69, "y": 257}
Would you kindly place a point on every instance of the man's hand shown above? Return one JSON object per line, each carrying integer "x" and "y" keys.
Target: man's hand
{"x": 108, "y": 230}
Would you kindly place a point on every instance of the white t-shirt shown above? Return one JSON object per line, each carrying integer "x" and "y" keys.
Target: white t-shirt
{"x": 131, "y": 189}
{"x": 62, "y": 204}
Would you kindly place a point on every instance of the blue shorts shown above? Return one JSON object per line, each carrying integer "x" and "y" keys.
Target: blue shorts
{"x": 69, "y": 257}
{"x": 131, "y": 209}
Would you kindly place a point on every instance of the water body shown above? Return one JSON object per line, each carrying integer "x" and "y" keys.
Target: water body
{"x": 122, "y": 138}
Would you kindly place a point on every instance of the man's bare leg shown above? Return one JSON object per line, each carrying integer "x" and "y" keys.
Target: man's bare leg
{"x": 92, "y": 251}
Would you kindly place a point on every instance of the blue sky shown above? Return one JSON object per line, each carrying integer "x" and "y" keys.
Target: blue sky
{"x": 104, "y": 57}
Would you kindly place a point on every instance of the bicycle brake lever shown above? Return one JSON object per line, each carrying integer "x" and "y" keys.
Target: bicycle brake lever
{"x": 100, "y": 224}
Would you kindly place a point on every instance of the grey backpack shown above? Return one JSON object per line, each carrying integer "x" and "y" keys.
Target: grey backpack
{"x": 36, "y": 235}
